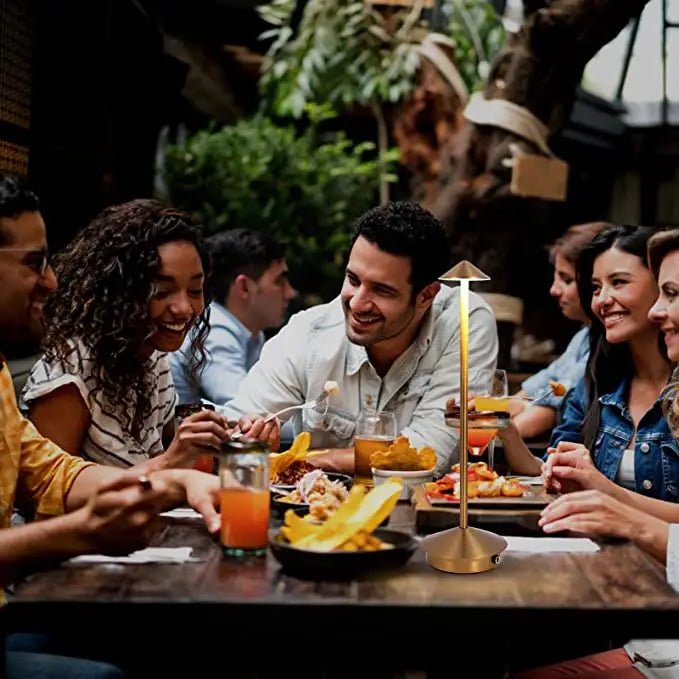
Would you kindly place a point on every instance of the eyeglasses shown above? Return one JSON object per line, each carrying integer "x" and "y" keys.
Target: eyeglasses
{"x": 37, "y": 261}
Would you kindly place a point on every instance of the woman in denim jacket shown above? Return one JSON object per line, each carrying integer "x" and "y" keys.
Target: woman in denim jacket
{"x": 616, "y": 410}
{"x": 600, "y": 507}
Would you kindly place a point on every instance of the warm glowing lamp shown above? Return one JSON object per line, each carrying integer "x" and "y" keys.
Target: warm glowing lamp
{"x": 464, "y": 549}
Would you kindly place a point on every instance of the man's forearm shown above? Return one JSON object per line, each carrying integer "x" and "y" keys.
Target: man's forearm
{"x": 518, "y": 456}
{"x": 87, "y": 482}
{"x": 53, "y": 539}
{"x": 535, "y": 420}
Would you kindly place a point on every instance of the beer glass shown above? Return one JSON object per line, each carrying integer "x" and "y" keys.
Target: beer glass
{"x": 374, "y": 431}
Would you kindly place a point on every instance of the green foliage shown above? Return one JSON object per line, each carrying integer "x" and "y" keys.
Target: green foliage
{"x": 478, "y": 34}
{"x": 300, "y": 189}
{"x": 346, "y": 51}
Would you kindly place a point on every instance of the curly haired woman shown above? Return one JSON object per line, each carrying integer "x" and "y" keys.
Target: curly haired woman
{"x": 131, "y": 285}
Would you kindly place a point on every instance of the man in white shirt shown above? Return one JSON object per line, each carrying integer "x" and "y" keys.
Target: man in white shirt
{"x": 390, "y": 341}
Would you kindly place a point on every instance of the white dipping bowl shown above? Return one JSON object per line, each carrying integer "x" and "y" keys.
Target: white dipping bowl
{"x": 410, "y": 479}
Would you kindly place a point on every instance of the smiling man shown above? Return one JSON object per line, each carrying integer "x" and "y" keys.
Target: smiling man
{"x": 390, "y": 341}
{"x": 26, "y": 278}
{"x": 251, "y": 293}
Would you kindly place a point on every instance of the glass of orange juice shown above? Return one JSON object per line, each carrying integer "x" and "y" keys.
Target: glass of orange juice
{"x": 374, "y": 431}
{"x": 244, "y": 497}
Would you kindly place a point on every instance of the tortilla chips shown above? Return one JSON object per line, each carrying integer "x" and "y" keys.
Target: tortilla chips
{"x": 400, "y": 457}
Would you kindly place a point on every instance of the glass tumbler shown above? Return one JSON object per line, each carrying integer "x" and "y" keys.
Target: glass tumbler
{"x": 244, "y": 495}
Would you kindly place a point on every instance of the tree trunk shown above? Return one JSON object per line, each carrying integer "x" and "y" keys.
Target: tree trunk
{"x": 540, "y": 69}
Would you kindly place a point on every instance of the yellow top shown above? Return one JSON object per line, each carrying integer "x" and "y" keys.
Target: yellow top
{"x": 34, "y": 471}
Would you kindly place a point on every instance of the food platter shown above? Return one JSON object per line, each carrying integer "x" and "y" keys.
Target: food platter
{"x": 341, "y": 563}
{"x": 533, "y": 498}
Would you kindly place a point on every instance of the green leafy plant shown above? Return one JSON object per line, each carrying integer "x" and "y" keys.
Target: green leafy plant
{"x": 298, "y": 187}
{"x": 478, "y": 34}
{"x": 348, "y": 52}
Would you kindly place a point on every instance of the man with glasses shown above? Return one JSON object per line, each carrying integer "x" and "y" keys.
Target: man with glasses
{"x": 26, "y": 278}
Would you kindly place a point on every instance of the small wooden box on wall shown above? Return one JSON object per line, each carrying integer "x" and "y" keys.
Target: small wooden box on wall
{"x": 536, "y": 176}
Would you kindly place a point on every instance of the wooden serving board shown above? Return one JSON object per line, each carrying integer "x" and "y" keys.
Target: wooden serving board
{"x": 434, "y": 516}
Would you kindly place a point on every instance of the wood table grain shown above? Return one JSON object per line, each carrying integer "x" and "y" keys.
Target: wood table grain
{"x": 617, "y": 592}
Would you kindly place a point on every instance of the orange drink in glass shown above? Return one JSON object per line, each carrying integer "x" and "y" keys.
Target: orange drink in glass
{"x": 478, "y": 440}
{"x": 245, "y": 520}
{"x": 244, "y": 497}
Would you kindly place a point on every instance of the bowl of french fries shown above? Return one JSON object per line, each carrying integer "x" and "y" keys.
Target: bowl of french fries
{"x": 411, "y": 466}
{"x": 349, "y": 541}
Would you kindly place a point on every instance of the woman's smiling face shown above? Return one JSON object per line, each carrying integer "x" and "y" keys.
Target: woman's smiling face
{"x": 178, "y": 299}
{"x": 623, "y": 291}
{"x": 665, "y": 311}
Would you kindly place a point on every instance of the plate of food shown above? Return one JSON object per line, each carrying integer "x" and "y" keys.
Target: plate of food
{"x": 486, "y": 489}
{"x": 349, "y": 541}
{"x": 317, "y": 493}
{"x": 287, "y": 468}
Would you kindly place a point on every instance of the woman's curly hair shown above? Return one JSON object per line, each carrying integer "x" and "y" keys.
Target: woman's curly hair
{"x": 106, "y": 279}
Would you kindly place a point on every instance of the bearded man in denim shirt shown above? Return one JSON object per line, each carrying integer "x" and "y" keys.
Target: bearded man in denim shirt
{"x": 390, "y": 341}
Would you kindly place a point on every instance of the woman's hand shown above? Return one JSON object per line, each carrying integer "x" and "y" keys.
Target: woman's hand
{"x": 201, "y": 493}
{"x": 197, "y": 434}
{"x": 255, "y": 427}
{"x": 592, "y": 512}
{"x": 569, "y": 468}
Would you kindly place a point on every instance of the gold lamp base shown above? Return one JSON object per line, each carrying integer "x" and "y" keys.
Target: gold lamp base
{"x": 464, "y": 550}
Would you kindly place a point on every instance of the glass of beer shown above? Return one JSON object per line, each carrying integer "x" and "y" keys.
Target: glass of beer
{"x": 374, "y": 431}
{"x": 244, "y": 497}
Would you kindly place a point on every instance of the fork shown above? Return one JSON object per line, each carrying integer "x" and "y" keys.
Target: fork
{"x": 530, "y": 399}
{"x": 309, "y": 405}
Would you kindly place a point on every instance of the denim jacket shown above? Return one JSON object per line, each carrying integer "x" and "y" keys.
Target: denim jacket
{"x": 656, "y": 453}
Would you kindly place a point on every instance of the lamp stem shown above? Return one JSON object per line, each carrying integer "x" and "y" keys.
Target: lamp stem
{"x": 464, "y": 397}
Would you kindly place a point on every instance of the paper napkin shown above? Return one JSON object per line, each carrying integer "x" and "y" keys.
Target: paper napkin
{"x": 182, "y": 513}
{"x": 550, "y": 545}
{"x": 148, "y": 555}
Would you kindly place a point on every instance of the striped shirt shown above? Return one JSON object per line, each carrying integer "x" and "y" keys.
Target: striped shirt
{"x": 106, "y": 440}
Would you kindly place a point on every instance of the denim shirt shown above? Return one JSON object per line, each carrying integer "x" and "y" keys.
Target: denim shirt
{"x": 656, "y": 453}
{"x": 231, "y": 349}
{"x": 568, "y": 369}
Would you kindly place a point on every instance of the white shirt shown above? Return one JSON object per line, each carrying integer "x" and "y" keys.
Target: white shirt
{"x": 105, "y": 441}
{"x": 313, "y": 348}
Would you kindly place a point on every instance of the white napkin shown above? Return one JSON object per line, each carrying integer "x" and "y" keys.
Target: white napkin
{"x": 148, "y": 555}
{"x": 182, "y": 513}
{"x": 529, "y": 480}
{"x": 550, "y": 545}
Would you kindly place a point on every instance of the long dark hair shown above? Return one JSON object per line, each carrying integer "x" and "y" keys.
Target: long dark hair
{"x": 608, "y": 363}
{"x": 106, "y": 279}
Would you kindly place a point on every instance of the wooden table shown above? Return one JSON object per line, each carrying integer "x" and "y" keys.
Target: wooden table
{"x": 616, "y": 593}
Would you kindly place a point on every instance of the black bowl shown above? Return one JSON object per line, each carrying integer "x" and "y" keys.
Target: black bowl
{"x": 341, "y": 564}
